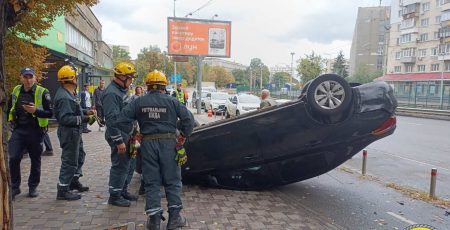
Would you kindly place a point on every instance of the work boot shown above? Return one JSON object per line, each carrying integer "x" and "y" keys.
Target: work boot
{"x": 128, "y": 196}
{"x": 154, "y": 222}
{"x": 15, "y": 192}
{"x": 33, "y": 192}
{"x": 65, "y": 194}
{"x": 75, "y": 184}
{"x": 175, "y": 219}
{"x": 47, "y": 153}
{"x": 118, "y": 201}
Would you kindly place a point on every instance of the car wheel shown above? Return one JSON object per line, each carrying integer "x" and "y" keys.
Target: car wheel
{"x": 329, "y": 94}
{"x": 227, "y": 115}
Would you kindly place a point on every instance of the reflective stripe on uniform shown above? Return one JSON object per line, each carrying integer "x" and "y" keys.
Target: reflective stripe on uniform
{"x": 180, "y": 95}
{"x": 38, "y": 93}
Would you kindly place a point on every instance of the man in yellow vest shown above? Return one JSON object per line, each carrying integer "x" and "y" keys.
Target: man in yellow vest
{"x": 180, "y": 95}
{"x": 30, "y": 108}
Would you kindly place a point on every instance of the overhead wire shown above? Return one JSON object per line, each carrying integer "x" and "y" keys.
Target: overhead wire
{"x": 200, "y": 8}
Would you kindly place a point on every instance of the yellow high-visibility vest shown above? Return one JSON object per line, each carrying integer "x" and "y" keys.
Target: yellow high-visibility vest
{"x": 38, "y": 93}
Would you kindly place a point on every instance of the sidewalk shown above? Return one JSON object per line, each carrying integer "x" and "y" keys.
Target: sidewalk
{"x": 205, "y": 208}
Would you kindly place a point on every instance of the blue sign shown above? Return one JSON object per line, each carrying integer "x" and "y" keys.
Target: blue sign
{"x": 175, "y": 78}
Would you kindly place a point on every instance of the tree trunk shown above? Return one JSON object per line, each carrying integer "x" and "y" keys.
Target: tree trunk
{"x": 6, "y": 205}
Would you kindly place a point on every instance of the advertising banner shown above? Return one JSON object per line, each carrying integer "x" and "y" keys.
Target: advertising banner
{"x": 196, "y": 37}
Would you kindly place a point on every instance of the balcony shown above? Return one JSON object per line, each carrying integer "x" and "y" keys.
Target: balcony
{"x": 408, "y": 59}
{"x": 444, "y": 57}
{"x": 445, "y": 7}
{"x": 409, "y": 2}
{"x": 409, "y": 30}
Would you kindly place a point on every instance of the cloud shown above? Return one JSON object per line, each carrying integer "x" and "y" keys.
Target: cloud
{"x": 265, "y": 29}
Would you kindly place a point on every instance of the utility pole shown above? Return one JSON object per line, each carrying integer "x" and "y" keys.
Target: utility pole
{"x": 292, "y": 67}
{"x": 251, "y": 78}
{"x": 174, "y": 62}
{"x": 260, "y": 83}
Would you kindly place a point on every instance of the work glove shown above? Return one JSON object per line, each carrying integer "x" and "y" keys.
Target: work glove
{"x": 180, "y": 156}
{"x": 91, "y": 119}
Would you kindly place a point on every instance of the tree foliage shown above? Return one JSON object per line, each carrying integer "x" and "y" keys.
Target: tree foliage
{"x": 33, "y": 25}
{"x": 364, "y": 75}
{"x": 219, "y": 75}
{"x": 281, "y": 78}
{"x": 120, "y": 54}
{"x": 339, "y": 66}
{"x": 149, "y": 59}
{"x": 240, "y": 76}
{"x": 310, "y": 67}
{"x": 256, "y": 69}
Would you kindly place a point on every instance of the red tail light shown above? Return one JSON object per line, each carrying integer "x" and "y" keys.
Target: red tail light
{"x": 388, "y": 125}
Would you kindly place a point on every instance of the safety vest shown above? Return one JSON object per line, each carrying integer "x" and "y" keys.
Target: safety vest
{"x": 38, "y": 93}
{"x": 180, "y": 96}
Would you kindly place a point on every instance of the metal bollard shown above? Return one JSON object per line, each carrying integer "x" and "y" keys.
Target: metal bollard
{"x": 433, "y": 183}
{"x": 364, "y": 164}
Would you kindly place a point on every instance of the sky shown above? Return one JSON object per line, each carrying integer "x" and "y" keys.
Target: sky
{"x": 265, "y": 29}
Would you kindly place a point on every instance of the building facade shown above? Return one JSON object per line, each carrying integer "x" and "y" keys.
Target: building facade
{"x": 370, "y": 39}
{"x": 228, "y": 65}
{"x": 419, "y": 52}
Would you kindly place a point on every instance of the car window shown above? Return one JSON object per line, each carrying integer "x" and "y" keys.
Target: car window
{"x": 249, "y": 99}
{"x": 219, "y": 96}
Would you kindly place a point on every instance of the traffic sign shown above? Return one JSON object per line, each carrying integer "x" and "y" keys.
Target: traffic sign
{"x": 175, "y": 78}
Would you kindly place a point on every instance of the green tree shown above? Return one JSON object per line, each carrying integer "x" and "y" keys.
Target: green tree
{"x": 219, "y": 75}
{"x": 257, "y": 68}
{"x": 339, "y": 66}
{"x": 149, "y": 59}
{"x": 364, "y": 75}
{"x": 281, "y": 78}
{"x": 240, "y": 76}
{"x": 310, "y": 67}
{"x": 120, "y": 54}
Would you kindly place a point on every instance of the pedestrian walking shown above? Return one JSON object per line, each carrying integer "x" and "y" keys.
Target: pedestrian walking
{"x": 70, "y": 117}
{"x": 118, "y": 139}
{"x": 29, "y": 110}
{"x": 98, "y": 92}
{"x": 157, "y": 114}
{"x": 85, "y": 104}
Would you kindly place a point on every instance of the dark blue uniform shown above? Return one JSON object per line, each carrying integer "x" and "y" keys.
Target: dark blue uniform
{"x": 70, "y": 117}
{"x": 113, "y": 100}
{"x": 27, "y": 135}
{"x": 157, "y": 113}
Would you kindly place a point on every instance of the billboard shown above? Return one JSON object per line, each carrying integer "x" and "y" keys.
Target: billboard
{"x": 196, "y": 37}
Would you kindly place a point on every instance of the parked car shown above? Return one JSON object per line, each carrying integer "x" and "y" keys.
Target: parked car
{"x": 328, "y": 124}
{"x": 241, "y": 104}
{"x": 216, "y": 101}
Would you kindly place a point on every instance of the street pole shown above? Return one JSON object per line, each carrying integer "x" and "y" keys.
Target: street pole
{"x": 292, "y": 68}
{"x": 199, "y": 84}
{"x": 441, "y": 101}
{"x": 174, "y": 62}
{"x": 251, "y": 78}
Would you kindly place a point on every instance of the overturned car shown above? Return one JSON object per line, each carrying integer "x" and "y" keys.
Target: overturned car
{"x": 329, "y": 123}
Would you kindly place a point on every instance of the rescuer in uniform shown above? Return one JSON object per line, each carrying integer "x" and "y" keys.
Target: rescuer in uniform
{"x": 29, "y": 111}
{"x": 157, "y": 114}
{"x": 180, "y": 94}
{"x": 70, "y": 117}
{"x": 118, "y": 136}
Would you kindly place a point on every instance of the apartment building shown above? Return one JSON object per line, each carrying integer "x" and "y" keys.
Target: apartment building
{"x": 369, "y": 39}
{"x": 419, "y": 51}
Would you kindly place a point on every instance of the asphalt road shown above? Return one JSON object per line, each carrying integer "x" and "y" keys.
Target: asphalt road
{"x": 405, "y": 158}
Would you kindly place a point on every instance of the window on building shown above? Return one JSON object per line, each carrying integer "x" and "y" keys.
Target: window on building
{"x": 437, "y": 19}
{"x": 78, "y": 40}
{"x": 397, "y": 69}
{"x": 405, "y": 38}
{"x": 409, "y": 68}
{"x": 424, "y": 37}
{"x": 398, "y": 55}
{"x": 426, "y": 6}
{"x": 409, "y": 52}
{"x": 434, "y": 51}
{"x": 422, "y": 52}
{"x": 398, "y": 27}
{"x": 411, "y": 8}
{"x": 424, "y": 22}
{"x": 439, "y": 3}
{"x": 444, "y": 48}
{"x": 420, "y": 68}
{"x": 445, "y": 16}
{"x": 400, "y": 13}
{"x": 434, "y": 67}
{"x": 408, "y": 23}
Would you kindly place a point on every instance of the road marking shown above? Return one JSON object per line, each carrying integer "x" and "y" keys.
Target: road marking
{"x": 401, "y": 218}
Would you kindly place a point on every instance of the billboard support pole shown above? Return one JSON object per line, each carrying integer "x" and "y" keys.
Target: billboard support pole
{"x": 174, "y": 74}
{"x": 199, "y": 84}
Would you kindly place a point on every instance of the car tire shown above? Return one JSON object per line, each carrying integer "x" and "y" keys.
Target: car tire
{"x": 329, "y": 94}
{"x": 227, "y": 115}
